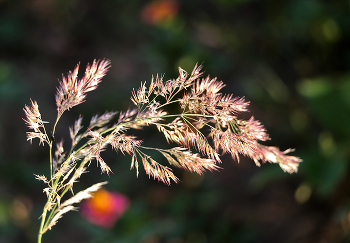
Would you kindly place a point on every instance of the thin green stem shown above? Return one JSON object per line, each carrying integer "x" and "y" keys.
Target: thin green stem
{"x": 50, "y": 144}
{"x": 167, "y": 103}
{"x": 199, "y": 132}
{"x": 165, "y": 116}
{"x": 41, "y": 226}
{"x": 157, "y": 149}
{"x": 54, "y": 208}
{"x": 43, "y": 216}
{"x": 54, "y": 127}
{"x": 143, "y": 108}
{"x": 174, "y": 94}
{"x": 51, "y": 165}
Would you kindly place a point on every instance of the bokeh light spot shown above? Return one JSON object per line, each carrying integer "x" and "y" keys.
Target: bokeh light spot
{"x": 159, "y": 12}
{"x": 303, "y": 193}
{"x": 331, "y": 30}
{"x": 299, "y": 120}
{"x": 105, "y": 208}
{"x": 313, "y": 88}
{"x": 327, "y": 143}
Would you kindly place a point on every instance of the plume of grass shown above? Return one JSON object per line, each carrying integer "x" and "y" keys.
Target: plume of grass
{"x": 207, "y": 126}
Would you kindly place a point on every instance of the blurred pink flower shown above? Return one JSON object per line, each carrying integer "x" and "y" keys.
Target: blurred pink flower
{"x": 159, "y": 11}
{"x": 104, "y": 208}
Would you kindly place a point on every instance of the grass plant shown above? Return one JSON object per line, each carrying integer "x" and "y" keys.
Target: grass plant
{"x": 207, "y": 126}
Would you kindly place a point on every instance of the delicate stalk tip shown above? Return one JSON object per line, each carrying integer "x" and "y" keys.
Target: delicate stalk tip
{"x": 34, "y": 122}
{"x": 287, "y": 163}
{"x": 72, "y": 92}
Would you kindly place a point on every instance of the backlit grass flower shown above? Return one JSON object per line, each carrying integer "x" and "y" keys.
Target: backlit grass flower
{"x": 208, "y": 124}
{"x": 72, "y": 92}
{"x": 34, "y": 122}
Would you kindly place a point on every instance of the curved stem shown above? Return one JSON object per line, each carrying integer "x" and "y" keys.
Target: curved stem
{"x": 54, "y": 126}
{"x": 41, "y": 227}
{"x": 51, "y": 166}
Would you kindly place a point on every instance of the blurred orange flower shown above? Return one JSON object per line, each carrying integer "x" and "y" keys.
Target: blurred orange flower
{"x": 105, "y": 208}
{"x": 159, "y": 11}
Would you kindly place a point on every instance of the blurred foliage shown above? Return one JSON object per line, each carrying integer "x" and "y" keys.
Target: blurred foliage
{"x": 290, "y": 58}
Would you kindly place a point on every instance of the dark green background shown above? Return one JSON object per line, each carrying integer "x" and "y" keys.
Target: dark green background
{"x": 289, "y": 58}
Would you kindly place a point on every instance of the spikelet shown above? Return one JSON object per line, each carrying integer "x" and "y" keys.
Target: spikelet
{"x": 72, "y": 92}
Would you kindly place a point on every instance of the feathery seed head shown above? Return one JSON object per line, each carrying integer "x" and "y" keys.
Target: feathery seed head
{"x": 72, "y": 92}
{"x": 33, "y": 116}
{"x": 34, "y": 121}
